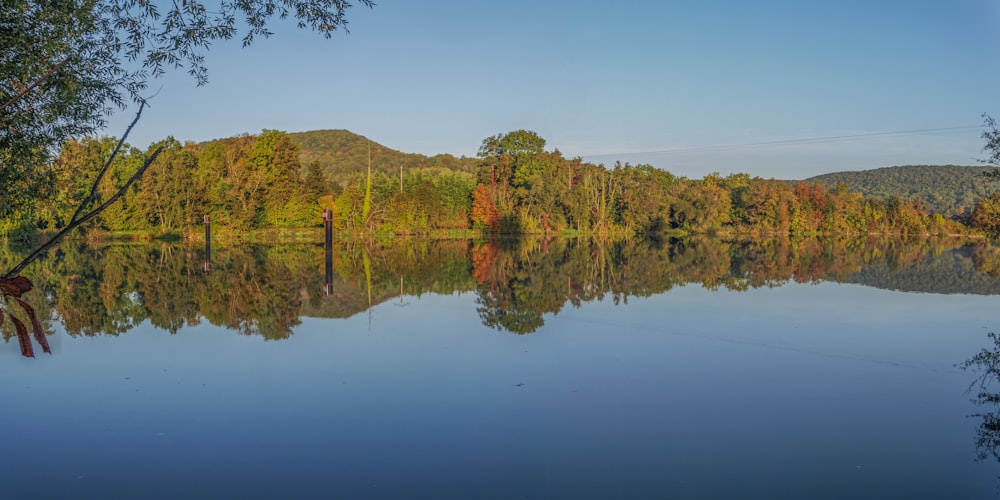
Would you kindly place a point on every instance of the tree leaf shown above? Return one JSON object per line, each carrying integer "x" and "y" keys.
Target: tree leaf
{"x": 22, "y": 338}
{"x": 36, "y": 326}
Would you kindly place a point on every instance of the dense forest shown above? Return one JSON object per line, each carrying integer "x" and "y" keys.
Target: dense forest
{"x": 946, "y": 189}
{"x": 514, "y": 186}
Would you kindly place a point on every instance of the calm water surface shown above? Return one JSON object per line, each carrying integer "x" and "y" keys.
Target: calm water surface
{"x": 726, "y": 382}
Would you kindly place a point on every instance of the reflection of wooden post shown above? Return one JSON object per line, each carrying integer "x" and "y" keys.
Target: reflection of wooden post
{"x": 208, "y": 245}
{"x": 328, "y": 248}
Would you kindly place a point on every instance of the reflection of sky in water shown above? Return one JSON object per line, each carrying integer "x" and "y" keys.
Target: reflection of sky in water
{"x": 799, "y": 391}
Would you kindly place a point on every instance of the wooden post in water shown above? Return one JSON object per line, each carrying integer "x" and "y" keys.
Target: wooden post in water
{"x": 328, "y": 248}
{"x": 208, "y": 245}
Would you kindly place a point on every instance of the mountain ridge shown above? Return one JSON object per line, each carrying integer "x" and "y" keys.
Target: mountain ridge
{"x": 343, "y": 155}
{"x": 946, "y": 189}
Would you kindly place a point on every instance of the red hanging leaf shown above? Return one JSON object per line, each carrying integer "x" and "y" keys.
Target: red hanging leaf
{"x": 16, "y": 286}
{"x": 36, "y": 326}
{"x": 22, "y": 338}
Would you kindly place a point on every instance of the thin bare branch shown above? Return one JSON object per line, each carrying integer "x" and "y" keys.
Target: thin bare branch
{"x": 36, "y": 83}
{"x": 107, "y": 164}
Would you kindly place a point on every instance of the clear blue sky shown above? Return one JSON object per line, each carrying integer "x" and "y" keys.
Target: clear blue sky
{"x": 619, "y": 81}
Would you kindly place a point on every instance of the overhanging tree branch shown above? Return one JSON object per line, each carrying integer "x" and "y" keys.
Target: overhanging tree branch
{"x": 36, "y": 83}
{"x": 77, "y": 222}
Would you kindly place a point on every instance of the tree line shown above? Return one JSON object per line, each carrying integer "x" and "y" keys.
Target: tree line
{"x": 242, "y": 183}
{"x": 258, "y": 181}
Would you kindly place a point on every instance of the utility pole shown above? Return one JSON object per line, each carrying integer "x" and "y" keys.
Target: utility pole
{"x": 328, "y": 251}
{"x": 208, "y": 244}
{"x": 366, "y": 209}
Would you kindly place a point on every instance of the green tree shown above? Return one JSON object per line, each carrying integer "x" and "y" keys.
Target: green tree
{"x": 72, "y": 171}
{"x": 700, "y": 206}
{"x": 168, "y": 197}
{"x": 455, "y": 192}
{"x": 992, "y": 147}
{"x": 121, "y": 215}
{"x": 517, "y": 143}
{"x": 276, "y": 168}
{"x": 315, "y": 184}
{"x": 986, "y": 214}
{"x": 501, "y": 157}
{"x": 643, "y": 201}
{"x": 234, "y": 198}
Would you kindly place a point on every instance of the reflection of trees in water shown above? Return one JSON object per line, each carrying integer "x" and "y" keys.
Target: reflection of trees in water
{"x": 258, "y": 290}
{"x": 987, "y": 362}
{"x": 517, "y": 287}
{"x": 261, "y": 286}
{"x": 111, "y": 289}
{"x": 264, "y": 290}
{"x": 986, "y": 258}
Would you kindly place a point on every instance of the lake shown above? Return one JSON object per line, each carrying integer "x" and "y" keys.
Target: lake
{"x": 509, "y": 369}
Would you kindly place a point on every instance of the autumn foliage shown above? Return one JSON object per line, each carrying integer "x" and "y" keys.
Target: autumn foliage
{"x": 485, "y": 216}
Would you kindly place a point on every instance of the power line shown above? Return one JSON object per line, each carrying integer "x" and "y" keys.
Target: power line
{"x": 812, "y": 140}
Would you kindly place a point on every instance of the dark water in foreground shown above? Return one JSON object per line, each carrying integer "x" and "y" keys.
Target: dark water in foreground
{"x": 509, "y": 370}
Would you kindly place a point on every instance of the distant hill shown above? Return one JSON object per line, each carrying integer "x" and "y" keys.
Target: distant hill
{"x": 343, "y": 155}
{"x": 947, "y": 189}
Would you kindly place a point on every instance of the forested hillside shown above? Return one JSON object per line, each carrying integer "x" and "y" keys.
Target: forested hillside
{"x": 343, "y": 155}
{"x": 947, "y": 189}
